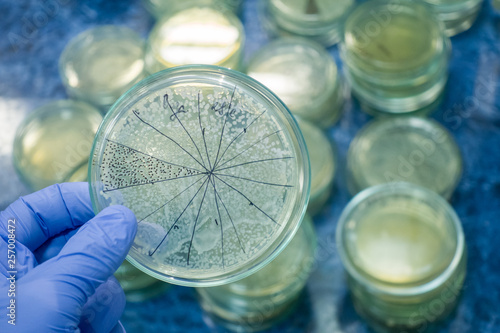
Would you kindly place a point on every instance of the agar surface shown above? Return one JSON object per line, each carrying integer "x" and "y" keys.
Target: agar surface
{"x": 209, "y": 173}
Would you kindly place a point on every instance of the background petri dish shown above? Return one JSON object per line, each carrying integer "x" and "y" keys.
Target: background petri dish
{"x": 456, "y": 15}
{"x": 396, "y": 57}
{"x": 320, "y": 20}
{"x": 53, "y": 143}
{"x": 213, "y": 165}
{"x": 322, "y": 156}
{"x": 239, "y": 306}
{"x": 102, "y": 63}
{"x": 410, "y": 149}
{"x": 303, "y": 75}
{"x": 200, "y": 34}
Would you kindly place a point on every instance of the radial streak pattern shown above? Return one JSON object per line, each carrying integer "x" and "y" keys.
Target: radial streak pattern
{"x": 205, "y": 137}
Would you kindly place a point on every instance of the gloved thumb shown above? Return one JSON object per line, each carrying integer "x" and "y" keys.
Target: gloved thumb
{"x": 95, "y": 252}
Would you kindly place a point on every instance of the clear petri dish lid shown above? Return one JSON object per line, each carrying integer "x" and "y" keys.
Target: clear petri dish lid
{"x": 214, "y": 167}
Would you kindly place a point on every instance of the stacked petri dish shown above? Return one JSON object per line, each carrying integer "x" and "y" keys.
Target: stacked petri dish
{"x": 101, "y": 63}
{"x": 456, "y": 15}
{"x": 396, "y": 57}
{"x": 217, "y": 171}
{"x": 410, "y": 149}
{"x": 137, "y": 285}
{"x": 261, "y": 300}
{"x": 304, "y": 76}
{"x": 195, "y": 34}
{"x": 319, "y": 20}
{"x": 214, "y": 167}
{"x": 404, "y": 251}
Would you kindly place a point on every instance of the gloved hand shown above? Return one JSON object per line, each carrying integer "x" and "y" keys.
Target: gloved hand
{"x": 64, "y": 279}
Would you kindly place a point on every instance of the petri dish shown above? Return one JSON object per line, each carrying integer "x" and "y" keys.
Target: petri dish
{"x": 410, "y": 149}
{"x": 404, "y": 251}
{"x": 239, "y": 306}
{"x": 319, "y": 20}
{"x": 101, "y": 63}
{"x": 213, "y": 165}
{"x": 198, "y": 34}
{"x": 323, "y": 161}
{"x": 456, "y": 15}
{"x": 303, "y": 75}
{"x": 396, "y": 57}
{"x": 53, "y": 143}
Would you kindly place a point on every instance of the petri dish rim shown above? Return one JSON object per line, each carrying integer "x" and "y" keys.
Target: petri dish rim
{"x": 157, "y": 8}
{"x": 141, "y": 90}
{"x": 408, "y": 190}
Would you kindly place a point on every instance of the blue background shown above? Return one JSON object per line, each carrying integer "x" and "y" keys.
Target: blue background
{"x": 33, "y": 34}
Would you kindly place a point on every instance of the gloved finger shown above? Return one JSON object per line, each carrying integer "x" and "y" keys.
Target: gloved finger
{"x": 19, "y": 260}
{"x": 103, "y": 309}
{"x": 53, "y": 246}
{"x": 94, "y": 253}
{"x": 46, "y": 213}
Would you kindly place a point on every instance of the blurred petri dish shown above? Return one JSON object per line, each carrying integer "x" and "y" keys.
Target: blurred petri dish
{"x": 53, "y": 143}
{"x": 323, "y": 165}
{"x": 101, "y": 63}
{"x": 243, "y": 306}
{"x": 319, "y": 20}
{"x": 198, "y": 34}
{"x": 396, "y": 57}
{"x": 303, "y": 75}
{"x": 79, "y": 173}
{"x": 410, "y": 149}
{"x": 213, "y": 165}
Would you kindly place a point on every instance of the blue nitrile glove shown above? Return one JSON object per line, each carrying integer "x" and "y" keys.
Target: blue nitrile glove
{"x": 63, "y": 272}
